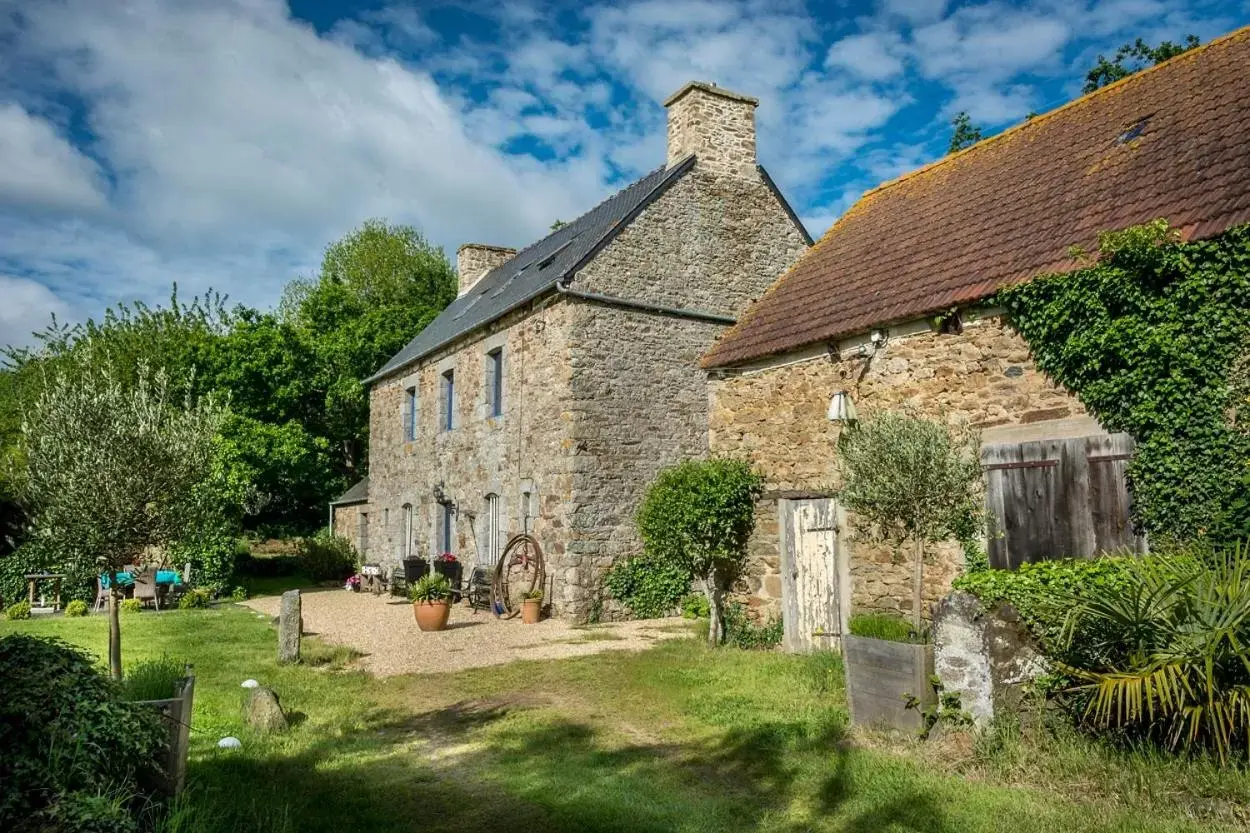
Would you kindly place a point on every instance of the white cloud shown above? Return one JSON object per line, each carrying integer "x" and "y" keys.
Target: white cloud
{"x": 40, "y": 169}
{"x": 992, "y": 41}
{"x": 872, "y": 55}
{"x": 27, "y": 306}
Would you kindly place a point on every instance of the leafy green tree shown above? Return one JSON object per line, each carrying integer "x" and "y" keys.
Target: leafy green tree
{"x": 699, "y": 515}
{"x": 378, "y": 288}
{"x": 965, "y": 134}
{"x": 108, "y": 468}
{"x": 1134, "y": 57}
{"x": 912, "y": 479}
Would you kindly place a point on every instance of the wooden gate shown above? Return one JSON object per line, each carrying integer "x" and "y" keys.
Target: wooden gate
{"x": 812, "y": 574}
{"x": 1058, "y": 498}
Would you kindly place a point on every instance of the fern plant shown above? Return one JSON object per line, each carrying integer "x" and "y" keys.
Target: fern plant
{"x": 1173, "y": 642}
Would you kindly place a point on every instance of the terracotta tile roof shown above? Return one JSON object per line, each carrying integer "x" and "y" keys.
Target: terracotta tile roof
{"x": 1172, "y": 141}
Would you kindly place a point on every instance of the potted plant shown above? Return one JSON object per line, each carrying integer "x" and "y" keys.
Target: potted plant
{"x": 448, "y": 565}
{"x": 431, "y": 602}
{"x": 353, "y": 583}
{"x": 531, "y": 607}
{"x": 913, "y": 480}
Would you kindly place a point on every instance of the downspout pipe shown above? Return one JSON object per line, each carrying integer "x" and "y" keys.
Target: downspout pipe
{"x": 629, "y": 303}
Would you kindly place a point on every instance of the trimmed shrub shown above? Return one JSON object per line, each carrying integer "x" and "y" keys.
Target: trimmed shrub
{"x": 197, "y": 599}
{"x": 649, "y": 586}
{"x": 20, "y": 610}
{"x": 76, "y": 608}
{"x": 74, "y": 756}
{"x": 327, "y": 557}
{"x": 131, "y": 605}
{"x": 212, "y": 558}
{"x": 887, "y": 626}
{"x": 238, "y": 594}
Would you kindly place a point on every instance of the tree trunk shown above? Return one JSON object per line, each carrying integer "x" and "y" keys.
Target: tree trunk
{"x": 917, "y": 598}
{"x": 716, "y": 621}
{"x": 115, "y": 629}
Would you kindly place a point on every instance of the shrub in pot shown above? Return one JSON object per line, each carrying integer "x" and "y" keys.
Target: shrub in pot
{"x": 888, "y": 669}
{"x": 531, "y": 607}
{"x": 431, "y": 602}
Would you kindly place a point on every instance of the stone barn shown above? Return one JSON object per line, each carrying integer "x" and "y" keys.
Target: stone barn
{"x": 893, "y": 308}
{"x": 565, "y": 375}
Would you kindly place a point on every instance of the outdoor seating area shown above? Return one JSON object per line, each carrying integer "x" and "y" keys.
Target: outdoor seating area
{"x": 150, "y": 585}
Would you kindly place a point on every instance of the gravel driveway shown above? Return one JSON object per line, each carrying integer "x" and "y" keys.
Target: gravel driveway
{"x": 384, "y": 630}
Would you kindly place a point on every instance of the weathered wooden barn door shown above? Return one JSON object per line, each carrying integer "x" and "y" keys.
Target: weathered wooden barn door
{"x": 1058, "y": 498}
{"x": 811, "y": 580}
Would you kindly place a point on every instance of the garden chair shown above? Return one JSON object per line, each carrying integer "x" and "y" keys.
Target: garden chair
{"x": 145, "y": 587}
{"x": 101, "y": 595}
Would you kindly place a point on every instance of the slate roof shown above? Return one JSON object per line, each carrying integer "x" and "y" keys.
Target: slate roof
{"x": 1172, "y": 141}
{"x": 536, "y": 269}
{"x": 356, "y": 494}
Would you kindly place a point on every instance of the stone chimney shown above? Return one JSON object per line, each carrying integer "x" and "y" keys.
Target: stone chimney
{"x": 714, "y": 124}
{"x": 475, "y": 260}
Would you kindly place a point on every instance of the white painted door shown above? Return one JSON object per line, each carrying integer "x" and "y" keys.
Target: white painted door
{"x": 812, "y": 574}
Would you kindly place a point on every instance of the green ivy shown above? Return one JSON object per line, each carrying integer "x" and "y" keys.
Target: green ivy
{"x": 1146, "y": 336}
{"x": 648, "y": 585}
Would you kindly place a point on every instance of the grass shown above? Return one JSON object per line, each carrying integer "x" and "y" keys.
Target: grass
{"x": 885, "y": 626}
{"x": 677, "y": 739}
{"x": 152, "y": 679}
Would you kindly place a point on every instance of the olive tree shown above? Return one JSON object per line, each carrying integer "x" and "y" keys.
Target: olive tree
{"x": 699, "y": 515}
{"x": 107, "y": 468}
{"x": 912, "y": 479}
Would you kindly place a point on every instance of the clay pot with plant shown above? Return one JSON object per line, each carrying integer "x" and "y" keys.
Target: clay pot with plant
{"x": 431, "y": 602}
{"x": 531, "y": 607}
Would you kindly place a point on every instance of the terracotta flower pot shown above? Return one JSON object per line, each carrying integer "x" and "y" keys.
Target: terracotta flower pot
{"x": 431, "y": 616}
{"x": 531, "y": 611}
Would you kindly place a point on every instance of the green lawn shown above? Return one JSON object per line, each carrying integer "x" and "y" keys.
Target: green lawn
{"x": 678, "y": 738}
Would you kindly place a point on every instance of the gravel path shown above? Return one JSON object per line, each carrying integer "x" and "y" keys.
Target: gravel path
{"x": 383, "y": 628}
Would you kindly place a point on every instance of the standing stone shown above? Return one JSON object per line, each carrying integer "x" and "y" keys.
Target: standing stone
{"x": 262, "y": 710}
{"x": 985, "y": 656}
{"x": 289, "y": 626}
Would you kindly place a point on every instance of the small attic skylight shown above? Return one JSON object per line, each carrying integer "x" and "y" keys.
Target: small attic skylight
{"x": 1134, "y": 131}
{"x": 547, "y": 261}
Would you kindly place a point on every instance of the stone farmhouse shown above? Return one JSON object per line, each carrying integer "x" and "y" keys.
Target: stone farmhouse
{"x": 893, "y": 308}
{"x": 564, "y": 376}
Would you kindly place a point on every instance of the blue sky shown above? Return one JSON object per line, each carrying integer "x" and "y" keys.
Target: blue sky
{"x": 223, "y": 144}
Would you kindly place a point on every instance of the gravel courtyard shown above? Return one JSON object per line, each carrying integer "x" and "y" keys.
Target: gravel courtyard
{"x": 384, "y": 630}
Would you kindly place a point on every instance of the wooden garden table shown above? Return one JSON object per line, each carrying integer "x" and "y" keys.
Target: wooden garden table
{"x": 33, "y": 579}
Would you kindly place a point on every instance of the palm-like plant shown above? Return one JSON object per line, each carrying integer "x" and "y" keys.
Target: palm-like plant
{"x": 1168, "y": 651}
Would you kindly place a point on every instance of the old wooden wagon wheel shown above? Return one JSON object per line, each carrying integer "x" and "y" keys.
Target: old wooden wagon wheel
{"x": 521, "y": 568}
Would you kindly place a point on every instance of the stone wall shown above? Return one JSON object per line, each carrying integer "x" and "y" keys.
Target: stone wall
{"x": 775, "y": 416}
{"x": 345, "y": 521}
{"x": 640, "y": 396}
{"x": 527, "y": 448}
{"x": 716, "y": 125}
{"x": 475, "y": 260}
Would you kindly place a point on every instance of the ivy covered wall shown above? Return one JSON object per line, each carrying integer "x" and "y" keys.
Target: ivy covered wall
{"x": 1152, "y": 334}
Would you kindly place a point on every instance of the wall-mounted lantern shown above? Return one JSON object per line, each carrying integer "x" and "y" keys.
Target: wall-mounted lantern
{"x": 841, "y": 408}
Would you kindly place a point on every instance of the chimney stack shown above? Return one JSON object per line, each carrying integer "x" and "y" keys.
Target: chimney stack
{"x": 475, "y": 260}
{"x": 716, "y": 125}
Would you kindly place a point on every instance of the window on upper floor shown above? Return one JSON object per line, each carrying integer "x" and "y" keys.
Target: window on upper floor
{"x": 410, "y": 414}
{"x": 494, "y": 382}
{"x": 447, "y": 415}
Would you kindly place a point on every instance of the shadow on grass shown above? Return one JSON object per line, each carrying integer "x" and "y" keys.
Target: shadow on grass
{"x": 493, "y": 765}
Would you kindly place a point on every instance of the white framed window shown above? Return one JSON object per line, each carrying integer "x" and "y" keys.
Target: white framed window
{"x": 493, "y": 531}
{"x": 447, "y": 529}
{"x": 494, "y": 382}
{"x": 448, "y": 416}
{"x": 407, "y": 519}
{"x": 410, "y": 413}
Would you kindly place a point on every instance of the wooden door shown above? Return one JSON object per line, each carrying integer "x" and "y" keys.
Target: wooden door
{"x": 812, "y": 574}
{"x": 1058, "y": 499}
